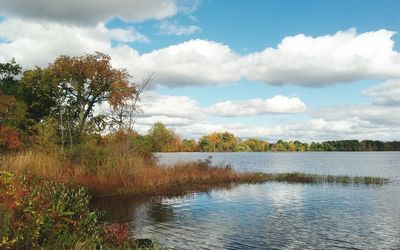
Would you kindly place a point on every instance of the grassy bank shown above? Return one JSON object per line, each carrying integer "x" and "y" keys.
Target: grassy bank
{"x": 139, "y": 175}
{"x": 125, "y": 174}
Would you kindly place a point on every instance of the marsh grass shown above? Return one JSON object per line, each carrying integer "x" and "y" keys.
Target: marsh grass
{"x": 314, "y": 178}
{"x": 134, "y": 174}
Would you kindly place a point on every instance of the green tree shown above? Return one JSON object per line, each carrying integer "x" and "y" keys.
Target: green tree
{"x": 40, "y": 93}
{"x": 189, "y": 145}
{"x": 8, "y": 78}
{"x": 12, "y": 109}
{"x": 162, "y": 138}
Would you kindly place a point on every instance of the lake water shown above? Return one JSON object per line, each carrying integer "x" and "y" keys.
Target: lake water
{"x": 275, "y": 215}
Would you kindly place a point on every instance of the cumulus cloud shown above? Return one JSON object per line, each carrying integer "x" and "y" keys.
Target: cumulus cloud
{"x": 344, "y": 56}
{"x": 275, "y": 105}
{"x": 38, "y": 43}
{"x": 374, "y": 115}
{"x": 91, "y": 11}
{"x": 314, "y": 61}
{"x": 386, "y": 94}
{"x": 154, "y": 104}
{"x": 173, "y": 28}
{"x": 195, "y": 62}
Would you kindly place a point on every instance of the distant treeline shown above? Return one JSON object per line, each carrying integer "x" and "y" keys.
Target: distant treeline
{"x": 162, "y": 139}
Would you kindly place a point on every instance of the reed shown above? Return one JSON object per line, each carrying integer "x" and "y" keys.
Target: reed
{"x": 134, "y": 174}
{"x": 297, "y": 177}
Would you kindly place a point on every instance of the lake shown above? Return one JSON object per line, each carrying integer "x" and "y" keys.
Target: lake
{"x": 274, "y": 215}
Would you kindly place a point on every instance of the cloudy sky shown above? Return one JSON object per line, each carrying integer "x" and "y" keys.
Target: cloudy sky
{"x": 309, "y": 70}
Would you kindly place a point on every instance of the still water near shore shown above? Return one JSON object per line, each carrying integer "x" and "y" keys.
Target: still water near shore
{"x": 274, "y": 215}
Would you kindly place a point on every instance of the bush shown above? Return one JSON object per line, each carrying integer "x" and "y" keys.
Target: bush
{"x": 37, "y": 214}
{"x": 91, "y": 153}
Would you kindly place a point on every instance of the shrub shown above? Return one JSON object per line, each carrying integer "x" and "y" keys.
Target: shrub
{"x": 37, "y": 214}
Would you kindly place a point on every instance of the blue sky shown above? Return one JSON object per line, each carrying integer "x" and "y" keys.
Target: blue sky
{"x": 309, "y": 70}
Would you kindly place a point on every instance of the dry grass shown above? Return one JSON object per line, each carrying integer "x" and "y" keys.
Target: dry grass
{"x": 137, "y": 175}
{"x": 132, "y": 174}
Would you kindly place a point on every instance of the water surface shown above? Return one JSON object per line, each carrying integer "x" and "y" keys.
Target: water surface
{"x": 275, "y": 215}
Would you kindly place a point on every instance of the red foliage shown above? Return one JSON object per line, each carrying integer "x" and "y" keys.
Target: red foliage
{"x": 117, "y": 233}
{"x": 10, "y": 138}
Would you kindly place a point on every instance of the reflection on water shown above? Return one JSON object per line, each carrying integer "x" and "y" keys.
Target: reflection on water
{"x": 274, "y": 215}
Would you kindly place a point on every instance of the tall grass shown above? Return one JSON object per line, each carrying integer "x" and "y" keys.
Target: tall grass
{"x": 123, "y": 174}
{"x": 135, "y": 174}
{"x": 314, "y": 178}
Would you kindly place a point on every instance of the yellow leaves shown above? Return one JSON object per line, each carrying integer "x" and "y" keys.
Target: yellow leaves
{"x": 7, "y": 243}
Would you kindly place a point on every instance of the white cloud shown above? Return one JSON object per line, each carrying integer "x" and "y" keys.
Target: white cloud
{"x": 375, "y": 115}
{"x": 275, "y": 105}
{"x": 195, "y": 62}
{"x": 173, "y": 28}
{"x": 320, "y": 129}
{"x": 91, "y": 11}
{"x": 386, "y": 94}
{"x": 153, "y": 104}
{"x": 343, "y": 57}
{"x": 39, "y": 43}
{"x": 196, "y": 130}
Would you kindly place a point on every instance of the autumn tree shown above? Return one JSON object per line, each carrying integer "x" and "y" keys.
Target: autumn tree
{"x": 254, "y": 145}
{"x": 86, "y": 81}
{"x": 218, "y": 142}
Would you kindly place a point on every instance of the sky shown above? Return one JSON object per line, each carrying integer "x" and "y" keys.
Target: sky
{"x": 306, "y": 70}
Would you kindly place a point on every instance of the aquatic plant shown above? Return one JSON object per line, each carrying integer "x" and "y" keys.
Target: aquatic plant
{"x": 297, "y": 177}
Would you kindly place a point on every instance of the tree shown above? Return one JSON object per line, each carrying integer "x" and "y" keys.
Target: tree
{"x": 218, "y": 142}
{"x": 188, "y": 145}
{"x": 12, "y": 110}
{"x": 254, "y": 145}
{"x": 86, "y": 81}
{"x": 163, "y": 139}
{"x": 41, "y": 93}
{"x": 8, "y": 77}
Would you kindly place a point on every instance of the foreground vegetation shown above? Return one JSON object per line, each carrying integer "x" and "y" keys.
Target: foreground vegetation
{"x": 38, "y": 214}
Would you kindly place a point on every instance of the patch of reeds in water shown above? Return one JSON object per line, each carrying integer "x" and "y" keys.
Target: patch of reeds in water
{"x": 297, "y": 177}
